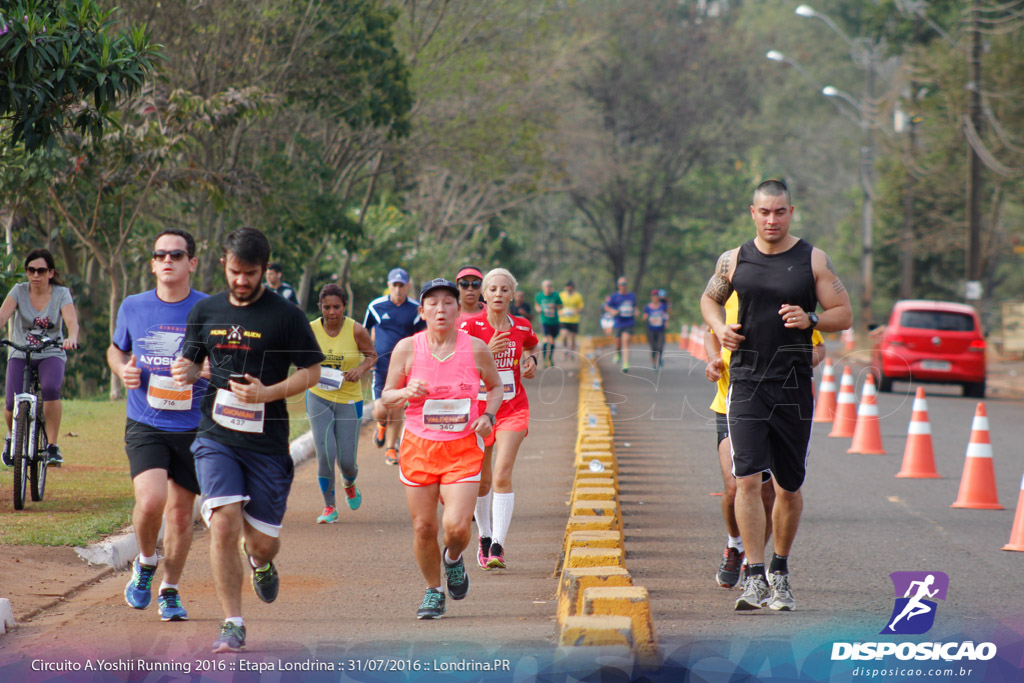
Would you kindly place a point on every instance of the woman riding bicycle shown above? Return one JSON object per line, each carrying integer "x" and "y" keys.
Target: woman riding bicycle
{"x": 39, "y": 307}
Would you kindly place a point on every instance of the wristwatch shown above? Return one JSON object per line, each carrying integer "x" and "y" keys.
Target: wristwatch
{"x": 491, "y": 417}
{"x": 813, "y": 317}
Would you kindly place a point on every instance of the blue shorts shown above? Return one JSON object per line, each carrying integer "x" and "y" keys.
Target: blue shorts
{"x": 380, "y": 376}
{"x": 260, "y": 481}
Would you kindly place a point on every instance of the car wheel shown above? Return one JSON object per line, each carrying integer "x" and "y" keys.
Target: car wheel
{"x": 884, "y": 383}
{"x": 974, "y": 389}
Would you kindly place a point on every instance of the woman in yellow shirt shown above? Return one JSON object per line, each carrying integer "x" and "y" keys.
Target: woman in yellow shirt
{"x": 335, "y": 405}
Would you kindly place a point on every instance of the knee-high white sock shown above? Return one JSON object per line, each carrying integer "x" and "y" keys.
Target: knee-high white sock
{"x": 503, "y": 504}
{"x": 483, "y": 515}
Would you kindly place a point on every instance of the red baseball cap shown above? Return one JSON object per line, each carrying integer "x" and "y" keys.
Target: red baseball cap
{"x": 469, "y": 270}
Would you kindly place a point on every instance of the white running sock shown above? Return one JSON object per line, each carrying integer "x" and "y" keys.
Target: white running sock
{"x": 483, "y": 515}
{"x": 448, "y": 559}
{"x": 151, "y": 561}
{"x": 164, "y": 585}
{"x": 237, "y": 621}
{"x": 503, "y": 505}
{"x": 736, "y": 542}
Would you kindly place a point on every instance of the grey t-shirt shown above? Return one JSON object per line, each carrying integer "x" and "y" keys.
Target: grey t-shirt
{"x": 27, "y": 320}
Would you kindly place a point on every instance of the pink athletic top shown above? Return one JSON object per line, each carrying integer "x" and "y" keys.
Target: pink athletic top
{"x": 450, "y": 407}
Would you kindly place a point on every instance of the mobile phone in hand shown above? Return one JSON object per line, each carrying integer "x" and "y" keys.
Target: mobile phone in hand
{"x": 239, "y": 377}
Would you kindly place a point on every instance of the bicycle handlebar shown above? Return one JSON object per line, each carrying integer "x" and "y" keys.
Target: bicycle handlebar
{"x": 44, "y": 344}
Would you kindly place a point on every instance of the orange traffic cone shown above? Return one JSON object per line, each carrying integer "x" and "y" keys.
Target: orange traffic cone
{"x": 849, "y": 340}
{"x": 918, "y": 456}
{"x": 682, "y": 338}
{"x": 702, "y": 354}
{"x": 846, "y": 407}
{"x": 692, "y": 348}
{"x": 978, "y": 481}
{"x": 1017, "y": 533}
{"x": 867, "y": 434}
{"x": 825, "y": 405}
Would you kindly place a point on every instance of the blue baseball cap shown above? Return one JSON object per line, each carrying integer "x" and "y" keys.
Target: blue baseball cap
{"x": 398, "y": 275}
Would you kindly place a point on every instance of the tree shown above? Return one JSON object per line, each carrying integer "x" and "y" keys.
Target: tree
{"x": 57, "y": 53}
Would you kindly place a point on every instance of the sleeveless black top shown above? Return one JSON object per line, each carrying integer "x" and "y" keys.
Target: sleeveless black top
{"x": 763, "y": 283}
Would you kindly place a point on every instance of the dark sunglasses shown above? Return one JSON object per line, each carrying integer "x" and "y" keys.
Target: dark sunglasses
{"x": 471, "y": 284}
{"x": 36, "y": 271}
{"x": 175, "y": 254}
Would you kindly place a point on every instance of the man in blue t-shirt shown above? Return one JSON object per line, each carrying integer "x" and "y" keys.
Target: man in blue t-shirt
{"x": 622, "y": 305}
{"x": 162, "y": 419}
{"x": 656, "y": 317}
{"x": 390, "y": 319}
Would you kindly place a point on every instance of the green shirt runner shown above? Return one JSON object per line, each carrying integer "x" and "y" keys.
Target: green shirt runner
{"x": 548, "y": 305}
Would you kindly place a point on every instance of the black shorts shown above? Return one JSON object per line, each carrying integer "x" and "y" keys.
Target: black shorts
{"x": 549, "y": 329}
{"x": 770, "y": 429}
{"x": 722, "y": 427}
{"x": 571, "y": 327}
{"x": 150, "y": 448}
{"x": 624, "y": 329}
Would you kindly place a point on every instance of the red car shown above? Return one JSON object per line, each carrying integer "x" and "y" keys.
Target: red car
{"x": 938, "y": 342}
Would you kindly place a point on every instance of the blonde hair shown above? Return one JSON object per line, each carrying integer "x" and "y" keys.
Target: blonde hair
{"x": 491, "y": 274}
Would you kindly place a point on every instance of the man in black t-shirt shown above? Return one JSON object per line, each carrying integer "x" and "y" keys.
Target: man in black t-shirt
{"x": 779, "y": 280}
{"x": 251, "y": 339}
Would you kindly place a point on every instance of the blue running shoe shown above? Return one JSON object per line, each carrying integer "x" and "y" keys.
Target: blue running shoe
{"x": 353, "y": 496}
{"x": 169, "y": 602}
{"x": 139, "y": 591}
{"x": 232, "y": 638}
{"x": 433, "y": 605}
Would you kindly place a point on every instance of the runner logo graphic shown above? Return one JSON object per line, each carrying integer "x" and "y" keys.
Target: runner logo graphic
{"x": 914, "y": 612}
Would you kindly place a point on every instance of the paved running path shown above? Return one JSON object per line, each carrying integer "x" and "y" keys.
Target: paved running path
{"x": 353, "y": 587}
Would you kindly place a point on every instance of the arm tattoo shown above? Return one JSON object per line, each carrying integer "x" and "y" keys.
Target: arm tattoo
{"x": 719, "y": 288}
{"x": 837, "y": 285}
{"x": 831, "y": 268}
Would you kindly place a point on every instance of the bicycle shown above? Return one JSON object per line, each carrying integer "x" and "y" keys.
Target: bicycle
{"x": 28, "y": 442}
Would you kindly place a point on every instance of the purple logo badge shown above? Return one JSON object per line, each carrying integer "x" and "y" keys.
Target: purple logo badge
{"x": 916, "y": 593}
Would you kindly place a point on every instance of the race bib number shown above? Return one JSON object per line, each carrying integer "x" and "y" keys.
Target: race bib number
{"x": 166, "y": 394}
{"x": 568, "y": 312}
{"x": 508, "y": 383}
{"x": 656, "y": 320}
{"x": 331, "y": 379}
{"x": 446, "y": 415}
{"x": 626, "y": 309}
{"x": 548, "y": 310}
{"x": 231, "y": 412}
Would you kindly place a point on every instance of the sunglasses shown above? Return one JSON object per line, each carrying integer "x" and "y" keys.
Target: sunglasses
{"x": 36, "y": 271}
{"x": 471, "y": 284}
{"x": 175, "y": 254}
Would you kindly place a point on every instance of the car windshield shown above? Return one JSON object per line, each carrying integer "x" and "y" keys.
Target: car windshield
{"x": 937, "y": 320}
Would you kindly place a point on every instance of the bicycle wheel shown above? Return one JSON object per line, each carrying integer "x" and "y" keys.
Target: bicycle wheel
{"x": 37, "y": 470}
{"x": 21, "y": 450}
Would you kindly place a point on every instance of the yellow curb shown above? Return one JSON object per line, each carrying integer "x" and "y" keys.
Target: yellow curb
{"x": 596, "y": 631}
{"x": 632, "y": 602}
{"x": 588, "y": 492}
{"x": 596, "y": 557}
{"x": 593, "y": 523}
{"x": 573, "y": 582}
{"x": 587, "y": 539}
{"x": 601, "y": 508}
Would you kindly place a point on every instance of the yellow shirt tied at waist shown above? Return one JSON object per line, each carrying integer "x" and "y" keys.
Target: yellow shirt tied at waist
{"x": 732, "y": 312}
{"x": 341, "y": 354}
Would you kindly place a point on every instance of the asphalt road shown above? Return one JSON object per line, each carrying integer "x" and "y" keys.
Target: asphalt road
{"x": 350, "y": 591}
{"x": 859, "y": 524}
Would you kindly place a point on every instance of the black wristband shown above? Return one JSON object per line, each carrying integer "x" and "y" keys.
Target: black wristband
{"x": 491, "y": 417}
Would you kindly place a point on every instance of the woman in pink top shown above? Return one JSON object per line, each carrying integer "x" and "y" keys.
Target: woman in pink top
{"x": 439, "y": 371}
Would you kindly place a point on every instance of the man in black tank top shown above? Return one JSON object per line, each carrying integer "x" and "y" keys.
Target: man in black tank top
{"x": 780, "y": 281}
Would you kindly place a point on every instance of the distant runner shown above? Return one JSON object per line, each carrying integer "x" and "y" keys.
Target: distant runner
{"x": 622, "y": 305}
{"x": 656, "y": 317}
{"x": 548, "y": 304}
{"x": 469, "y": 279}
{"x": 569, "y": 317}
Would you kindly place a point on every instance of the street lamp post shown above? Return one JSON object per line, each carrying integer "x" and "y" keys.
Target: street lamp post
{"x": 865, "y": 57}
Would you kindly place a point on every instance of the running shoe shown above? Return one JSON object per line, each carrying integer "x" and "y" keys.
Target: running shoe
{"x": 433, "y": 605}
{"x": 456, "y": 577}
{"x": 782, "y": 596}
{"x": 169, "y": 602}
{"x": 744, "y": 573}
{"x": 729, "y": 571}
{"x": 625, "y": 365}
{"x": 496, "y": 558}
{"x": 265, "y": 582}
{"x": 755, "y": 594}
{"x": 139, "y": 591}
{"x": 8, "y": 460}
{"x": 391, "y": 456}
{"x": 353, "y": 497}
{"x": 618, "y": 358}
{"x": 484, "y": 552}
{"x": 330, "y": 515}
{"x": 53, "y": 456}
{"x": 378, "y": 437}
{"x": 232, "y": 638}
